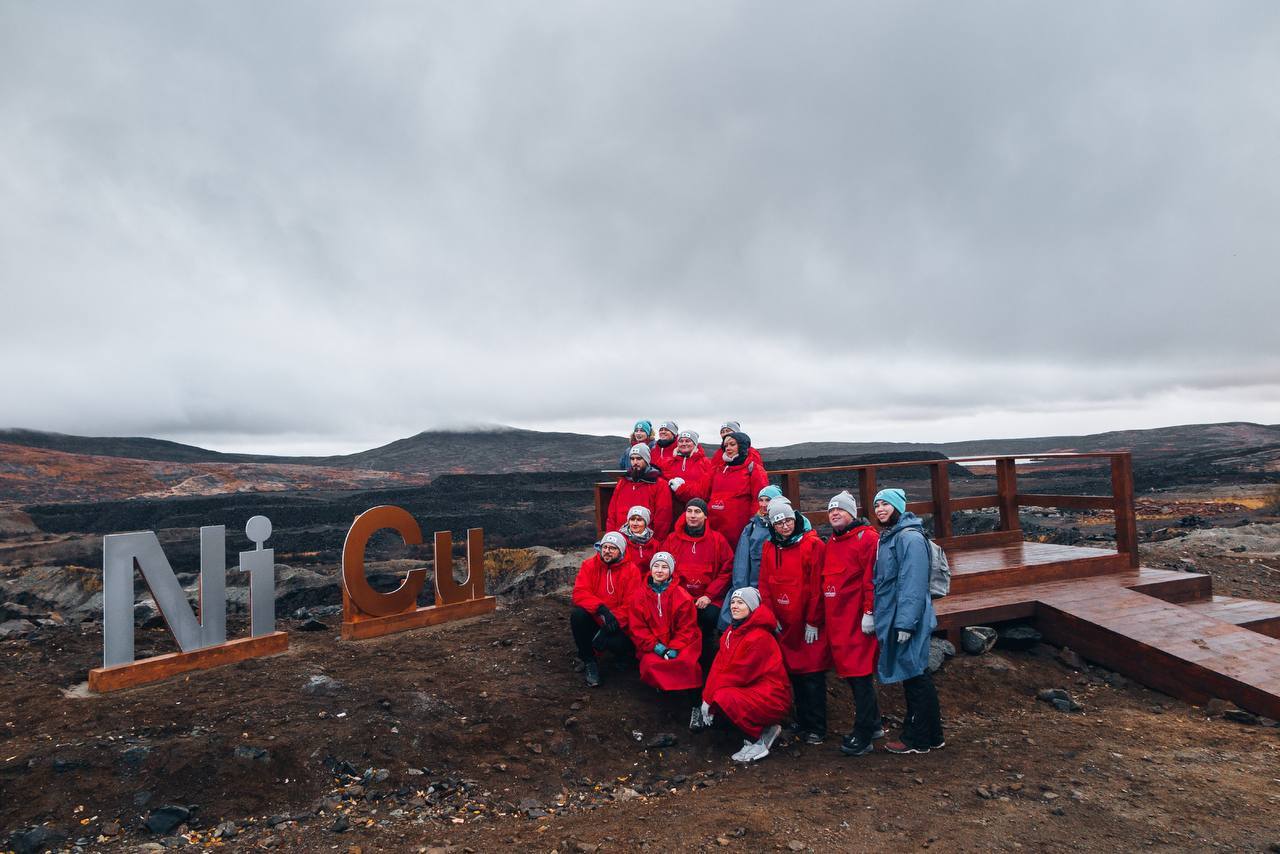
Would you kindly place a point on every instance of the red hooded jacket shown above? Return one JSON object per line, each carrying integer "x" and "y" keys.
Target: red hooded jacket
{"x": 660, "y": 456}
{"x": 704, "y": 564}
{"x": 652, "y": 492}
{"x": 694, "y": 469}
{"x": 639, "y": 553}
{"x": 848, "y": 566}
{"x": 731, "y": 492}
{"x": 790, "y": 583}
{"x": 668, "y": 618}
{"x": 609, "y": 584}
{"x": 748, "y": 680}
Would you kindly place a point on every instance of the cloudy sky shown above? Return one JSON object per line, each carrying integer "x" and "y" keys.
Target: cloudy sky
{"x": 322, "y": 226}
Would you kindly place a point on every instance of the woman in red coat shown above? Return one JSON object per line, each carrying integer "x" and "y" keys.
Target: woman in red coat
{"x": 687, "y": 472}
{"x": 642, "y": 543}
{"x": 726, "y": 429}
{"x": 732, "y": 487}
{"x": 748, "y": 682}
{"x": 644, "y": 485}
{"x": 848, "y": 568}
{"x": 599, "y": 615}
{"x": 663, "y": 451}
{"x": 662, "y": 622}
{"x": 706, "y": 568}
{"x": 790, "y": 583}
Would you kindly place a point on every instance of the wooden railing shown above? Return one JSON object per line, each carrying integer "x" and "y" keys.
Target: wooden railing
{"x": 940, "y": 505}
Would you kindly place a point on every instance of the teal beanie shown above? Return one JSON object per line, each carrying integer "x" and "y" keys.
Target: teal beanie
{"x": 645, "y": 425}
{"x": 894, "y": 497}
{"x": 769, "y": 491}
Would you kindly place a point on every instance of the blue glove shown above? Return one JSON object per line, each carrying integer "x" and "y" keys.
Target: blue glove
{"x": 660, "y": 648}
{"x": 672, "y": 653}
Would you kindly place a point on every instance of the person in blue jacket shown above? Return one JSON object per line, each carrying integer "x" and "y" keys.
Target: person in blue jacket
{"x": 641, "y": 434}
{"x": 746, "y": 557}
{"x": 905, "y": 620}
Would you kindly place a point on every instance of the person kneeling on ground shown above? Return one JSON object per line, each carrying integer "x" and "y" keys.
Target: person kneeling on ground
{"x": 642, "y": 544}
{"x": 847, "y": 601}
{"x": 748, "y": 682}
{"x": 905, "y": 620}
{"x": 662, "y": 621}
{"x": 599, "y": 616}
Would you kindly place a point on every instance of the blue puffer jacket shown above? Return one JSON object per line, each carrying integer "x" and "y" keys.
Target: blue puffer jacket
{"x": 902, "y": 600}
{"x": 746, "y": 562}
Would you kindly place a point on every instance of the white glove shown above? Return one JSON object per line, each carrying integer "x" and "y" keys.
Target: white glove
{"x": 810, "y": 633}
{"x": 676, "y": 483}
{"x": 868, "y": 624}
{"x": 706, "y": 714}
{"x": 903, "y": 637}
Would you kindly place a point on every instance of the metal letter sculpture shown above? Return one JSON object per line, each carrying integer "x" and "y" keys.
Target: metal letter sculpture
{"x": 366, "y": 613}
{"x": 203, "y": 643}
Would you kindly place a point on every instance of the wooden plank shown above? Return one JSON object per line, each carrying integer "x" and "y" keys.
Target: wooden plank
{"x": 1071, "y": 502}
{"x": 1263, "y": 617}
{"x": 603, "y": 494}
{"x": 996, "y": 458}
{"x": 1037, "y": 573}
{"x": 979, "y": 541}
{"x": 866, "y": 489}
{"x": 1126, "y": 517}
{"x": 120, "y": 676}
{"x": 1007, "y": 490}
{"x": 975, "y": 502}
{"x": 940, "y": 483}
{"x": 372, "y": 627}
{"x": 791, "y": 488}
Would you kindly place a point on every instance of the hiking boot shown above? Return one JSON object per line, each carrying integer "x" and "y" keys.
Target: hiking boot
{"x": 877, "y": 735}
{"x": 851, "y": 746}
{"x": 941, "y": 744}
{"x": 696, "y": 722}
{"x": 592, "y": 672}
{"x": 791, "y": 728}
{"x": 812, "y": 737}
{"x": 903, "y": 747}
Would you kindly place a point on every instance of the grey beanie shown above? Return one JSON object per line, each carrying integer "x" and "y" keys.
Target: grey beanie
{"x": 749, "y": 596}
{"x": 845, "y": 502}
{"x": 779, "y": 510}
{"x": 640, "y": 449}
{"x": 688, "y": 434}
{"x": 670, "y": 425}
{"x": 613, "y": 538}
{"x": 735, "y": 426}
{"x": 665, "y": 557}
{"x": 641, "y": 511}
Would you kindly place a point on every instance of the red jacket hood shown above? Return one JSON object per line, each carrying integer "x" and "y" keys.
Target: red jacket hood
{"x": 761, "y": 618}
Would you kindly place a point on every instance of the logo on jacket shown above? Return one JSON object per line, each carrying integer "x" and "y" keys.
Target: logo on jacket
{"x": 784, "y": 599}
{"x": 830, "y": 592}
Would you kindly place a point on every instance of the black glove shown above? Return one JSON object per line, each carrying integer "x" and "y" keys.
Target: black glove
{"x": 610, "y": 621}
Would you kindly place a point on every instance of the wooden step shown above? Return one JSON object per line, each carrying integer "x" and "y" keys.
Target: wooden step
{"x": 974, "y": 570}
{"x": 1252, "y": 614}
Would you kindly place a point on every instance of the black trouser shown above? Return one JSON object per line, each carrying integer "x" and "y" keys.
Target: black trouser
{"x": 923, "y": 725}
{"x": 866, "y": 708}
{"x": 585, "y": 629}
{"x": 811, "y": 701}
{"x": 708, "y": 617}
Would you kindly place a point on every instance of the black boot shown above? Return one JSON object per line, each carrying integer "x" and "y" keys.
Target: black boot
{"x": 592, "y": 672}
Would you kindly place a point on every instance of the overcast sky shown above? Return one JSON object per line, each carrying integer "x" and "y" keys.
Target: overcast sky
{"x": 322, "y": 226}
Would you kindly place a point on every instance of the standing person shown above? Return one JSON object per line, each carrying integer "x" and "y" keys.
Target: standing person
{"x": 748, "y": 681}
{"x": 665, "y": 629}
{"x": 642, "y": 544}
{"x": 664, "y": 449}
{"x": 746, "y": 557}
{"x": 706, "y": 567}
{"x": 732, "y": 487}
{"x": 641, "y": 434}
{"x": 687, "y": 471}
{"x": 790, "y": 579}
{"x": 641, "y": 484}
{"x": 848, "y": 567}
{"x": 598, "y": 617}
{"x": 726, "y": 429}
{"x": 905, "y": 620}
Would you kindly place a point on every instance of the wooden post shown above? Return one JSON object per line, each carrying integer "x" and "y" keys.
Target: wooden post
{"x": 1007, "y": 489}
{"x": 1126, "y": 516}
{"x": 791, "y": 488}
{"x": 604, "y": 492}
{"x": 866, "y": 490}
{"x": 940, "y": 481}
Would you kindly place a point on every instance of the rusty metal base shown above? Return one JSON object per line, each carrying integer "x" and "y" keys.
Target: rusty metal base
{"x": 104, "y": 679}
{"x": 360, "y": 628}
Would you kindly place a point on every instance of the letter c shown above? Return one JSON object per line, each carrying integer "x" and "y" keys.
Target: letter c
{"x": 365, "y": 598}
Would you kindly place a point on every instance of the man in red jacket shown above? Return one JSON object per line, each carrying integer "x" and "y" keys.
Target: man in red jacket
{"x": 705, "y": 562}
{"x": 644, "y": 485}
{"x": 598, "y": 618}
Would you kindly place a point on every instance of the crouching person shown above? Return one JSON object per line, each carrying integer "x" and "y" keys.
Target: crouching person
{"x": 599, "y": 615}
{"x": 664, "y": 626}
{"x": 904, "y": 620}
{"x": 748, "y": 683}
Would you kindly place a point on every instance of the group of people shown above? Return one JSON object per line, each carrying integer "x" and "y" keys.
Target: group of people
{"x": 722, "y": 591}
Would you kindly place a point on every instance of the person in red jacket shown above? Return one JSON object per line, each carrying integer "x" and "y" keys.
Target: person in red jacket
{"x": 748, "y": 681}
{"x": 706, "y": 568}
{"x": 790, "y": 582}
{"x": 642, "y": 543}
{"x": 732, "y": 487}
{"x": 848, "y": 567}
{"x": 665, "y": 629}
{"x": 726, "y": 429}
{"x": 644, "y": 485}
{"x": 663, "y": 451}
{"x": 687, "y": 472}
{"x": 598, "y": 617}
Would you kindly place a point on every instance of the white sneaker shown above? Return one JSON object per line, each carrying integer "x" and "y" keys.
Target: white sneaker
{"x": 755, "y": 752}
{"x": 741, "y": 755}
{"x": 769, "y": 736}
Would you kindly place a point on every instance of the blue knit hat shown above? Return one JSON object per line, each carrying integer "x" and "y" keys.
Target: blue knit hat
{"x": 896, "y": 498}
{"x": 769, "y": 491}
{"x": 645, "y": 425}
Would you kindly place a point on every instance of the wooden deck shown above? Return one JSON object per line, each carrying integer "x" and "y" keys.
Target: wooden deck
{"x": 1162, "y": 628}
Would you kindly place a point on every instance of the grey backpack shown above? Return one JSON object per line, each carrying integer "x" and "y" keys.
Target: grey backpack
{"x": 939, "y": 569}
